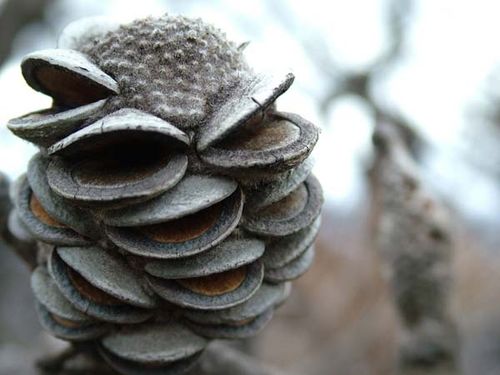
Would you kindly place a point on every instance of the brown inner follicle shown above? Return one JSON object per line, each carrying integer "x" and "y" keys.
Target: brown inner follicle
{"x": 89, "y": 291}
{"x": 69, "y": 88}
{"x": 290, "y": 206}
{"x": 121, "y": 158}
{"x": 263, "y": 136}
{"x": 42, "y": 215}
{"x": 185, "y": 228}
{"x": 241, "y": 323}
{"x": 216, "y": 284}
{"x": 65, "y": 322}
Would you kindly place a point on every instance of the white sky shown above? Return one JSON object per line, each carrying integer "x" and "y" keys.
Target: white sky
{"x": 453, "y": 46}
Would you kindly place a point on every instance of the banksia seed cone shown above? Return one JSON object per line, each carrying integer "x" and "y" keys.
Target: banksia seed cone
{"x": 170, "y": 201}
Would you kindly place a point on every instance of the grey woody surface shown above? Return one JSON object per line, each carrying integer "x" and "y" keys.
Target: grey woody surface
{"x": 245, "y": 102}
{"x": 232, "y": 253}
{"x": 62, "y": 178}
{"x": 154, "y": 343}
{"x": 41, "y": 230}
{"x": 191, "y": 194}
{"x": 136, "y": 242}
{"x": 65, "y": 61}
{"x": 267, "y": 297}
{"x": 123, "y": 121}
{"x": 116, "y": 313}
{"x": 107, "y": 272}
{"x": 47, "y": 127}
{"x": 126, "y": 367}
{"x": 57, "y": 207}
{"x": 291, "y": 271}
{"x": 168, "y": 211}
{"x": 233, "y": 331}
{"x": 285, "y": 217}
{"x": 175, "y": 293}
{"x": 72, "y": 332}
{"x": 48, "y": 294}
{"x": 295, "y": 139}
{"x": 283, "y": 250}
{"x": 267, "y": 193}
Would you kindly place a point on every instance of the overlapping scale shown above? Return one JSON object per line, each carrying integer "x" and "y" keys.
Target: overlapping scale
{"x": 233, "y": 253}
{"x": 79, "y": 89}
{"x": 128, "y": 155}
{"x": 155, "y": 236}
{"x": 279, "y": 142}
{"x": 237, "y": 330}
{"x": 264, "y": 194}
{"x": 109, "y": 273}
{"x": 68, "y": 76}
{"x": 241, "y": 321}
{"x": 292, "y": 270}
{"x": 266, "y": 297}
{"x": 212, "y": 292}
{"x": 18, "y": 229}
{"x": 290, "y": 214}
{"x": 152, "y": 349}
{"x": 192, "y": 194}
{"x": 58, "y": 316}
{"x": 39, "y": 222}
{"x": 56, "y": 206}
{"x": 183, "y": 236}
{"x": 91, "y": 299}
{"x": 281, "y": 251}
{"x": 46, "y": 127}
{"x": 254, "y": 99}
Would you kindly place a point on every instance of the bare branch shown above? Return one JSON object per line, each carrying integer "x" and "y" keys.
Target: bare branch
{"x": 313, "y": 41}
{"x": 398, "y": 17}
{"x": 14, "y": 15}
{"x": 5, "y": 204}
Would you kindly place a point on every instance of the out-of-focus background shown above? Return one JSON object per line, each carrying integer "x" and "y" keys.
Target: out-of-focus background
{"x": 429, "y": 66}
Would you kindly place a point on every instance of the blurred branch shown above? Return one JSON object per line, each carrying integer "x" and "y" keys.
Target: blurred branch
{"x": 313, "y": 42}
{"x": 21, "y": 244}
{"x": 342, "y": 80}
{"x": 414, "y": 234}
{"x": 398, "y": 18}
{"x": 14, "y": 15}
{"x": 485, "y": 115}
{"x": 5, "y": 204}
{"x": 359, "y": 83}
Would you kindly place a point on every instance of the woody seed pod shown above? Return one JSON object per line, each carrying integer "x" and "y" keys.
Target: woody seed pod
{"x": 167, "y": 189}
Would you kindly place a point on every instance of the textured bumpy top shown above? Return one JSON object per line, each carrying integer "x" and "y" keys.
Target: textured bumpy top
{"x": 173, "y": 67}
{"x": 170, "y": 202}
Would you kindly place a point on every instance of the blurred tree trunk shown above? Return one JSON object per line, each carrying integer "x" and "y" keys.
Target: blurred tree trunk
{"x": 414, "y": 233}
{"x": 15, "y": 15}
